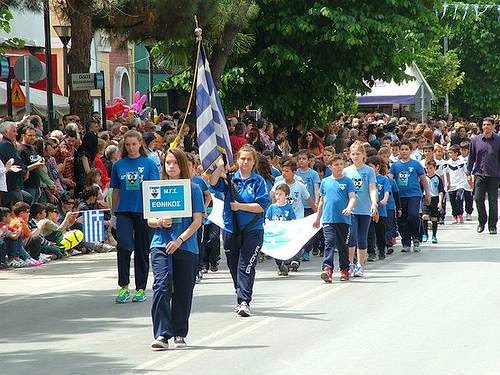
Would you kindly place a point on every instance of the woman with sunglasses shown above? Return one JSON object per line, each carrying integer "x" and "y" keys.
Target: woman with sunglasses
{"x": 311, "y": 142}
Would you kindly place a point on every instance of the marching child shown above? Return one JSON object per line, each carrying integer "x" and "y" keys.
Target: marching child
{"x": 311, "y": 179}
{"x": 337, "y": 199}
{"x": 384, "y": 189}
{"x": 457, "y": 180}
{"x": 394, "y": 152}
{"x": 282, "y": 211}
{"x": 440, "y": 171}
{"x": 365, "y": 182}
{"x": 298, "y": 194}
{"x": 409, "y": 174}
{"x": 468, "y": 194}
{"x": 431, "y": 210}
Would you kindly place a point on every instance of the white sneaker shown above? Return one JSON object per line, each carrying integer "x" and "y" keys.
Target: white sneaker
{"x": 468, "y": 217}
{"x": 44, "y": 258}
{"x": 105, "y": 248}
{"x": 358, "y": 270}
{"x": 74, "y": 252}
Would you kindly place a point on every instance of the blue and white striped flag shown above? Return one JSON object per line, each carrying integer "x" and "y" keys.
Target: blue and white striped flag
{"x": 213, "y": 137}
{"x": 93, "y": 226}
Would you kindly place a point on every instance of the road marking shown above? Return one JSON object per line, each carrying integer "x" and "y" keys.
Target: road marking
{"x": 295, "y": 303}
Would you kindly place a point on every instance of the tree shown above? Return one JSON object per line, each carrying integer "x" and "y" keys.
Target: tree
{"x": 477, "y": 43}
{"x": 304, "y": 51}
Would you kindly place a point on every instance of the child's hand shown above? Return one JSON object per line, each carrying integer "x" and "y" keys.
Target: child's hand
{"x": 347, "y": 211}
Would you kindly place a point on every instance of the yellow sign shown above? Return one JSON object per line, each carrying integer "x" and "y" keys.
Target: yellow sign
{"x": 18, "y": 98}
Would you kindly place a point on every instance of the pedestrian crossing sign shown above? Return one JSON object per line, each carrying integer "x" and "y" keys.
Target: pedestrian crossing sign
{"x": 18, "y": 98}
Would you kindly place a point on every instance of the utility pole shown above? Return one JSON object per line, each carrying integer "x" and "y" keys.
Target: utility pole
{"x": 48, "y": 64}
{"x": 446, "y": 96}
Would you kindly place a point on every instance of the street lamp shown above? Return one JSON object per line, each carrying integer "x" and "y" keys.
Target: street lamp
{"x": 64, "y": 34}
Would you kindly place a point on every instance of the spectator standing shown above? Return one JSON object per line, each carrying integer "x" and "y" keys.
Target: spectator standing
{"x": 483, "y": 169}
{"x": 14, "y": 178}
{"x": 238, "y": 138}
{"x": 32, "y": 160}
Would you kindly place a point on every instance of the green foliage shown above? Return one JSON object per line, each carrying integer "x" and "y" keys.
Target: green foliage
{"x": 306, "y": 50}
{"x": 5, "y": 18}
{"x": 477, "y": 45}
{"x": 442, "y": 71}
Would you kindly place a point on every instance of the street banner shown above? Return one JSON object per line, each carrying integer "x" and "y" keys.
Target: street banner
{"x": 282, "y": 239}
{"x": 167, "y": 198}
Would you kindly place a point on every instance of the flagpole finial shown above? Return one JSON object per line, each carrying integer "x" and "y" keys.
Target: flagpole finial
{"x": 198, "y": 31}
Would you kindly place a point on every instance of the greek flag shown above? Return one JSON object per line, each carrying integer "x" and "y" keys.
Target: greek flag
{"x": 213, "y": 137}
{"x": 93, "y": 226}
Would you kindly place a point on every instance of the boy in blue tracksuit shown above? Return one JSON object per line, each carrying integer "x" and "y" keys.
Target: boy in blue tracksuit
{"x": 409, "y": 175}
{"x": 282, "y": 211}
{"x": 337, "y": 199}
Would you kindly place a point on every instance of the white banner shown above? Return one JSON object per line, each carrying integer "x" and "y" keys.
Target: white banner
{"x": 282, "y": 239}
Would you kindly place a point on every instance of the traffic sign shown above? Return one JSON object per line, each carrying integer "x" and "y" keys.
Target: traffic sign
{"x": 18, "y": 98}
{"x": 4, "y": 67}
{"x": 36, "y": 69}
{"x": 87, "y": 81}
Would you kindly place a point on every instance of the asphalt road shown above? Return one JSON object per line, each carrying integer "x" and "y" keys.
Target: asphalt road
{"x": 430, "y": 313}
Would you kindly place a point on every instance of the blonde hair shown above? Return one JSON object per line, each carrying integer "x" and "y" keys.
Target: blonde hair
{"x": 358, "y": 146}
{"x": 248, "y": 148}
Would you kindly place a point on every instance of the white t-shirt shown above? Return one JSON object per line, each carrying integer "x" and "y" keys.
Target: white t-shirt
{"x": 458, "y": 177}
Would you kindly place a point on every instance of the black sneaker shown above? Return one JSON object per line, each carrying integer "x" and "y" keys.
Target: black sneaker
{"x": 390, "y": 251}
{"x": 493, "y": 230}
{"x": 179, "y": 342}
{"x": 315, "y": 252}
{"x": 381, "y": 257}
{"x": 480, "y": 228}
{"x": 371, "y": 257}
{"x": 294, "y": 266}
{"x": 198, "y": 277}
{"x": 160, "y": 343}
{"x": 214, "y": 268}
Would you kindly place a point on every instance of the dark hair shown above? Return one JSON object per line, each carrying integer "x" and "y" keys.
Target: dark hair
{"x": 455, "y": 149}
{"x": 428, "y": 146}
{"x": 371, "y": 152}
{"x": 37, "y": 208}
{"x": 4, "y": 211}
{"x": 284, "y": 188}
{"x": 377, "y": 161}
{"x": 430, "y": 162}
{"x": 239, "y": 128}
{"x": 395, "y": 143}
{"x": 90, "y": 191}
{"x": 49, "y": 207}
{"x": 89, "y": 180}
{"x": 406, "y": 142}
{"x": 71, "y": 133}
{"x": 133, "y": 134}
{"x": 290, "y": 164}
{"x": 263, "y": 168}
{"x": 319, "y": 167}
{"x": 20, "y": 207}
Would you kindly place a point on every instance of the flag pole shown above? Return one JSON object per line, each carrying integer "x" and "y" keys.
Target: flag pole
{"x": 198, "y": 32}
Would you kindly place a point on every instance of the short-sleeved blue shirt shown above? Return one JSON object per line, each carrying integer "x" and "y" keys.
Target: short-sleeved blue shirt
{"x": 407, "y": 176}
{"x": 391, "y": 204}
{"x": 362, "y": 178}
{"x": 335, "y": 195}
{"x": 282, "y": 213}
{"x": 163, "y": 236}
{"x": 310, "y": 178}
{"x": 127, "y": 175}
{"x": 383, "y": 186}
{"x": 298, "y": 194}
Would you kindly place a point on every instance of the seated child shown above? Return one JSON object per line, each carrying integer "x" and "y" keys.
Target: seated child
{"x": 17, "y": 255}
